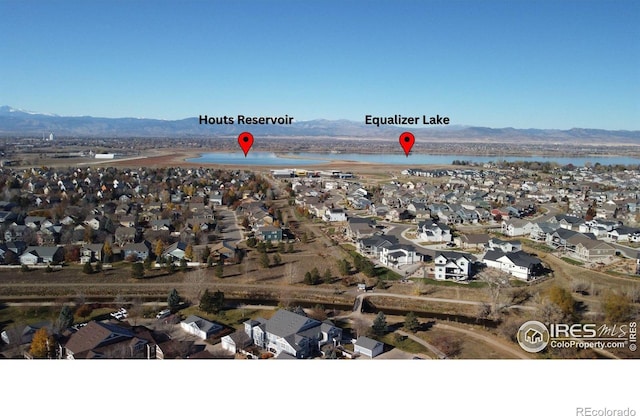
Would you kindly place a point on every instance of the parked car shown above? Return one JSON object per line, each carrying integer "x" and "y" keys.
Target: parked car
{"x": 120, "y": 314}
{"x": 163, "y": 313}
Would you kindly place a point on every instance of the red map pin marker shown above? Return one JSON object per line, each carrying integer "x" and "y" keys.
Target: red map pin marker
{"x": 406, "y": 141}
{"x": 245, "y": 140}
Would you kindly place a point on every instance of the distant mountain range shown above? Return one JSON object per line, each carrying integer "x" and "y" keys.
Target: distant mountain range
{"x": 20, "y": 123}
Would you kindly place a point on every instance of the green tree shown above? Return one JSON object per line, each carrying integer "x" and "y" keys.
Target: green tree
{"x": 65, "y": 319}
{"x": 219, "y": 269}
{"x": 310, "y": 279}
{"x": 344, "y": 267}
{"x": 252, "y": 242}
{"x": 379, "y": 326}
{"x": 98, "y": 267}
{"x": 264, "y": 260}
{"x": 281, "y": 247}
{"x": 326, "y": 277}
{"x": 211, "y": 303}
{"x": 204, "y": 255}
{"x": 290, "y": 248}
{"x": 183, "y": 264}
{"x": 87, "y": 268}
{"x": 411, "y": 323}
{"x": 173, "y": 300}
{"x": 277, "y": 260}
{"x": 148, "y": 263}
{"x": 171, "y": 268}
{"x": 137, "y": 270}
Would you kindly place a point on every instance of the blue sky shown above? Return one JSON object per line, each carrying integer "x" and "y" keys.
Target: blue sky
{"x": 519, "y": 63}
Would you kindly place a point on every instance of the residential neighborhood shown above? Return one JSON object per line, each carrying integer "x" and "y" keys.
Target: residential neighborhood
{"x": 466, "y": 227}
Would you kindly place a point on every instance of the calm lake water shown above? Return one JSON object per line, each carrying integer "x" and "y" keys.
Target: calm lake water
{"x": 302, "y": 159}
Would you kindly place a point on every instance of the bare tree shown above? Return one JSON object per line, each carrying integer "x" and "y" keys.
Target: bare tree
{"x": 449, "y": 345}
{"x": 135, "y": 311}
{"x": 497, "y": 282}
{"x": 361, "y": 327}
{"x": 197, "y": 280}
{"x": 550, "y": 312}
{"x": 484, "y": 310}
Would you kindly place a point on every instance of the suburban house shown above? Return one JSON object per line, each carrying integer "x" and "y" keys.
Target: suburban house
{"x": 453, "y": 265}
{"x": 368, "y": 347}
{"x": 200, "y": 327}
{"x": 398, "y": 255}
{"x": 91, "y": 253}
{"x": 359, "y": 228}
{"x": 42, "y": 255}
{"x": 517, "y": 263}
{"x": 505, "y": 246}
{"x": 105, "y": 340}
{"x": 516, "y": 228}
{"x": 236, "y": 342}
{"x": 372, "y": 246}
{"x": 540, "y": 230}
{"x": 568, "y": 222}
{"x": 292, "y": 334}
{"x": 175, "y": 251}
{"x": 434, "y": 232}
{"x": 27, "y": 333}
{"x": 472, "y": 241}
{"x": 270, "y": 233}
{"x": 335, "y": 215}
{"x": 622, "y": 234}
{"x": 593, "y": 250}
{"x": 139, "y": 251}
{"x": 419, "y": 210}
{"x": 124, "y": 235}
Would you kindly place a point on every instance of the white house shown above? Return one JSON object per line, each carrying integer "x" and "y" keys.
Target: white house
{"x": 335, "y": 215}
{"x": 453, "y": 265}
{"x": 505, "y": 246}
{"x": 516, "y": 228}
{"x": 292, "y": 334}
{"x": 398, "y": 255}
{"x": 235, "y": 342}
{"x": 200, "y": 327}
{"x": 518, "y": 263}
{"x": 434, "y": 232}
{"x": 368, "y": 347}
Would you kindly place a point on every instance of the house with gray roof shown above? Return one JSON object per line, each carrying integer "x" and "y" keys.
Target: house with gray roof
{"x": 368, "y": 347}
{"x": 42, "y": 255}
{"x": 200, "y": 327}
{"x": 453, "y": 265}
{"x": 517, "y": 263}
{"x": 290, "y": 333}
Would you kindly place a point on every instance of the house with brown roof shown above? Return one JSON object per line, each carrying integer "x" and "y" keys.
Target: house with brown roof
{"x": 106, "y": 340}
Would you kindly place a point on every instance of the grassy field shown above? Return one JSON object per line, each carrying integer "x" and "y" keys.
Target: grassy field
{"x": 572, "y": 261}
{"x": 403, "y": 343}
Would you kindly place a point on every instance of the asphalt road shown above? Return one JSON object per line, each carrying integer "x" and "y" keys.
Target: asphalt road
{"x": 232, "y": 233}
